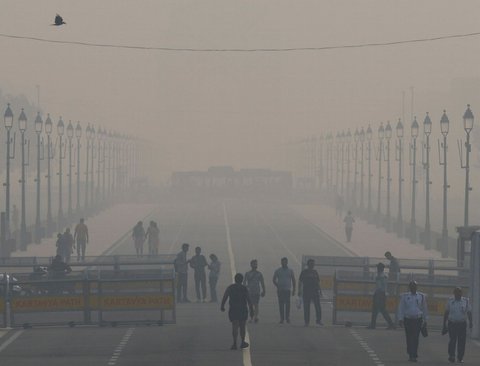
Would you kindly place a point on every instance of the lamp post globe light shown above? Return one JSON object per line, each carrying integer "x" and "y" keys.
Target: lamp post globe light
{"x": 70, "y": 134}
{"x": 60, "y": 133}
{"x": 388, "y": 137}
{"x": 444, "y": 127}
{"x": 48, "y": 131}
{"x": 427, "y": 130}
{"x": 22, "y": 126}
{"x": 78, "y": 135}
{"x": 88, "y": 134}
{"x": 8, "y": 121}
{"x": 398, "y": 157}
{"x": 414, "y": 135}
{"x": 38, "y": 131}
{"x": 361, "y": 137}
{"x": 369, "y": 135}
{"x": 381, "y": 135}
{"x": 467, "y": 126}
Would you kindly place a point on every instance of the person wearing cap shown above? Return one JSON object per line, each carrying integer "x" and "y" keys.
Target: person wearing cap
{"x": 457, "y": 311}
{"x": 412, "y": 315}
{"x": 181, "y": 272}
{"x": 380, "y": 298}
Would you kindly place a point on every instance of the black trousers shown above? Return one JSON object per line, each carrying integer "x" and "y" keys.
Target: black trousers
{"x": 412, "y": 334}
{"x": 315, "y": 298}
{"x": 212, "y": 281}
{"x": 458, "y": 335}
{"x": 284, "y": 304}
{"x": 182, "y": 279}
{"x": 200, "y": 283}
{"x": 379, "y": 306}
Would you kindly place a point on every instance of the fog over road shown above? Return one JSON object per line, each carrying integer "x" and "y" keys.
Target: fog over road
{"x": 262, "y": 230}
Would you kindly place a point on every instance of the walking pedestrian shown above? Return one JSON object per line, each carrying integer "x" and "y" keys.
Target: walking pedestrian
{"x": 59, "y": 245}
{"x": 393, "y": 273}
{"x": 412, "y": 312}
{"x": 68, "y": 244}
{"x": 239, "y": 305}
{"x": 380, "y": 298}
{"x": 284, "y": 281}
{"x": 181, "y": 272}
{"x": 256, "y": 288}
{"x": 457, "y": 311}
{"x": 213, "y": 275}
{"x": 138, "y": 235}
{"x": 198, "y": 263}
{"x": 153, "y": 234}
{"x": 310, "y": 291}
{"x": 81, "y": 237}
{"x": 349, "y": 220}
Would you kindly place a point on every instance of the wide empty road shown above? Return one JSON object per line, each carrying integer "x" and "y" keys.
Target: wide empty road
{"x": 236, "y": 231}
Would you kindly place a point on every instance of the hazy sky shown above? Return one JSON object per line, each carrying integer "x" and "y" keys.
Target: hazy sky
{"x": 237, "y": 108}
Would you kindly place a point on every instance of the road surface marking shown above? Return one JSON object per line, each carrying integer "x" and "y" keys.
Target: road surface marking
{"x": 118, "y": 350}
{"x": 10, "y": 340}
{"x": 247, "y": 358}
{"x": 366, "y": 348}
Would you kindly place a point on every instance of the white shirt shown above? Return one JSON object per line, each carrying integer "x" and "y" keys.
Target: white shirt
{"x": 458, "y": 309}
{"x": 413, "y": 306}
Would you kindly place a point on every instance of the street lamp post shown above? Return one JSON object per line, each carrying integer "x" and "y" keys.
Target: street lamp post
{"x": 104, "y": 192}
{"x": 99, "y": 162}
{"x": 381, "y": 135}
{"x": 388, "y": 137}
{"x": 87, "y": 182}
{"x": 398, "y": 157}
{"x": 413, "y": 163}
{"x": 467, "y": 126}
{"x": 92, "y": 180}
{"x": 362, "y": 145}
{"x": 70, "y": 133}
{"x": 38, "y": 130}
{"x": 348, "y": 141}
{"x": 8, "y": 120}
{"x": 22, "y": 125}
{"x": 48, "y": 131}
{"x": 427, "y": 130}
{"x": 342, "y": 163}
{"x": 61, "y": 156}
{"x": 369, "y": 158}
{"x": 444, "y": 127}
{"x": 78, "y": 135}
{"x": 355, "y": 171}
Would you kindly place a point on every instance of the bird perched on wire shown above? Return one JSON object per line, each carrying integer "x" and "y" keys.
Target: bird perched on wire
{"x": 58, "y": 20}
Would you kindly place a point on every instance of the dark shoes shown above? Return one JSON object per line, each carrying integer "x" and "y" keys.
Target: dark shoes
{"x": 244, "y": 345}
{"x": 234, "y": 347}
{"x": 451, "y": 359}
{"x": 411, "y": 359}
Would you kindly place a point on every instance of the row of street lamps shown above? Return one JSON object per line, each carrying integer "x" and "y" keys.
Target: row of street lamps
{"x": 110, "y": 150}
{"x": 338, "y": 155}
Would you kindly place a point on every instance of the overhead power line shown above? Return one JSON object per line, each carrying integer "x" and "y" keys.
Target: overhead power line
{"x": 287, "y": 49}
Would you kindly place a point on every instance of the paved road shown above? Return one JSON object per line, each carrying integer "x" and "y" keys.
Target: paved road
{"x": 260, "y": 230}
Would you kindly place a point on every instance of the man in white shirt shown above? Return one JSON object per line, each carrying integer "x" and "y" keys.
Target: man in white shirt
{"x": 457, "y": 311}
{"x": 412, "y": 314}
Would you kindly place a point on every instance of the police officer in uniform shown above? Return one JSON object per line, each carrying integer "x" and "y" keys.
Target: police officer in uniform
{"x": 412, "y": 312}
{"x": 457, "y": 311}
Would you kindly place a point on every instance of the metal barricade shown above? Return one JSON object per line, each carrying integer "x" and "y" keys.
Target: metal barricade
{"x": 353, "y": 295}
{"x": 93, "y": 297}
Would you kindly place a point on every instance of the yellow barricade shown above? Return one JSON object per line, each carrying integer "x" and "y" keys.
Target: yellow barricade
{"x": 47, "y": 303}
{"x": 132, "y": 302}
{"x": 364, "y": 303}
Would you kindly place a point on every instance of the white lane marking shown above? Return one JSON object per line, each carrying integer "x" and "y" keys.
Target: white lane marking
{"x": 118, "y": 350}
{"x": 247, "y": 358}
{"x": 10, "y": 340}
{"x": 366, "y": 348}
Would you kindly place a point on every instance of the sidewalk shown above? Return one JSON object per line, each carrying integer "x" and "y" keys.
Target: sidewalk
{"x": 104, "y": 230}
{"x": 367, "y": 240}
